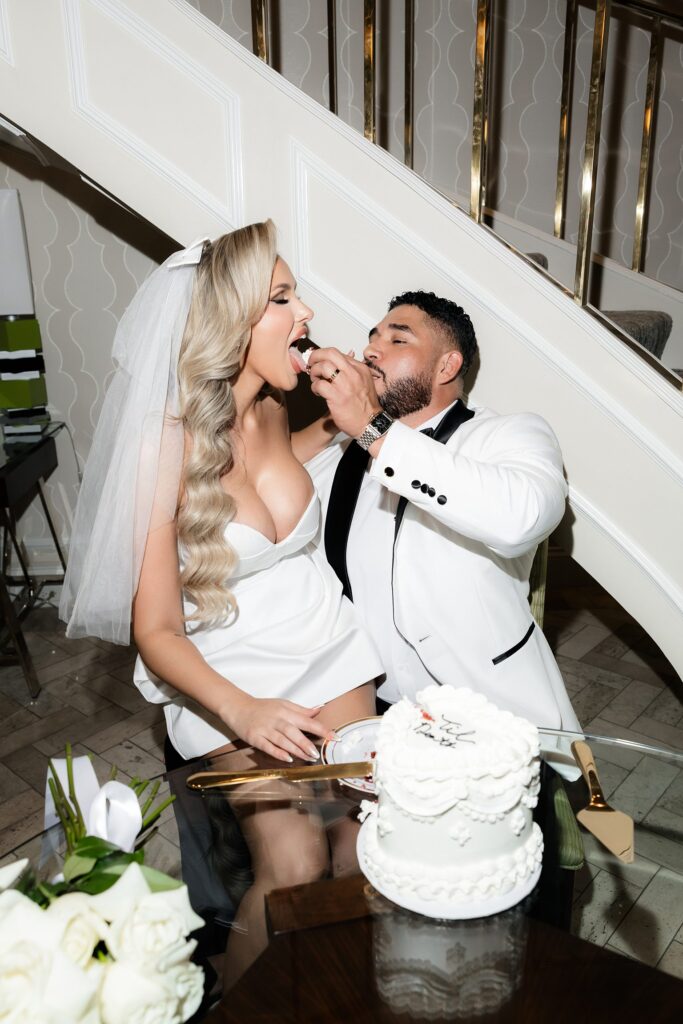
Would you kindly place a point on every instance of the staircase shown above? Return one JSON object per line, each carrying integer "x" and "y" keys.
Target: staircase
{"x": 179, "y": 122}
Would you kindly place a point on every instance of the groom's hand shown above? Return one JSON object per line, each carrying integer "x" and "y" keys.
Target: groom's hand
{"x": 348, "y": 388}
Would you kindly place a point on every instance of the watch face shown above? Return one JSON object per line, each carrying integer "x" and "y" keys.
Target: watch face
{"x": 382, "y": 422}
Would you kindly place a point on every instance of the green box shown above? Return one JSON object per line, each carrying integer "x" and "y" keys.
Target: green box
{"x": 23, "y": 394}
{"x": 16, "y": 335}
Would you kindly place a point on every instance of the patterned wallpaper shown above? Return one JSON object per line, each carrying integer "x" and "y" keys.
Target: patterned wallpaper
{"x": 528, "y": 40}
{"x": 88, "y": 258}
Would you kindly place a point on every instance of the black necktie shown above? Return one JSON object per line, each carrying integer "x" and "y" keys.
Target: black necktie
{"x": 343, "y": 497}
{"x": 346, "y": 488}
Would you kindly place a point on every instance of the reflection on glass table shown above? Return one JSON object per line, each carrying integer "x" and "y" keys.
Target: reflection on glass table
{"x": 635, "y": 909}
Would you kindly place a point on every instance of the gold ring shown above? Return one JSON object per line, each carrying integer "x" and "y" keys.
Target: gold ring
{"x": 334, "y": 374}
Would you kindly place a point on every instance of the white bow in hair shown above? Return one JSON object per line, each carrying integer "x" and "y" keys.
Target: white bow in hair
{"x": 191, "y": 256}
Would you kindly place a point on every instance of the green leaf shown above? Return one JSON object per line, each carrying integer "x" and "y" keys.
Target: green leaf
{"x": 93, "y": 846}
{"x": 39, "y": 892}
{"x": 75, "y": 866}
{"x": 117, "y": 858}
{"x": 100, "y": 880}
{"x": 106, "y": 872}
{"x": 158, "y": 881}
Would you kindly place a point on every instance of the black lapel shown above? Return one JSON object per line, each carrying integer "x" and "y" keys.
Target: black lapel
{"x": 343, "y": 497}
{"x": 447, "y": 426}
{"x": 455, "y": 417}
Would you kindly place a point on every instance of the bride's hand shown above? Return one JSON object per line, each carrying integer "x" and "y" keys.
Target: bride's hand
{"x": 277, "y": 727}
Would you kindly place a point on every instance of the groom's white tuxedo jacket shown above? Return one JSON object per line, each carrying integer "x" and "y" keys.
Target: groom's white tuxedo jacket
{"x": 477, "y": 507}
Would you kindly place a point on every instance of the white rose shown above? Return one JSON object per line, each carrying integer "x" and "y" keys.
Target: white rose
{"x": 24, "y": 970}
{"x": 179, "y": 900}
{"x": 154, "y": 932}
{"x": 22, "y": 919}
{"x": 41, "y": 986}
{"x": 127, "y": 997}
{"x": 188, "y": 983}
{"x": 10, "y": 872}
{"x": 123, "y": 895}
{"x": 83, "y": 926}
{"x": 131, "y": 888}
{"x": 71, "y": 992}
{"x": 38, "y": 982}
{"x": 151, "y": 935}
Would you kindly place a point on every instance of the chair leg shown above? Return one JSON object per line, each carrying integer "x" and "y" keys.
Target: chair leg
{"x": 22, "y": 654}
{"x": 51, "y": 526}
{"x": 6, "y": 548}
{"x": 9, "y": 527}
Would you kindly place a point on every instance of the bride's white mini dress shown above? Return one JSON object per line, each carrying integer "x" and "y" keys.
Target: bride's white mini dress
{"x": 294, "y": 636}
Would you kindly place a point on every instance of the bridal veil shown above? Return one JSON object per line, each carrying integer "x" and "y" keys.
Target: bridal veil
{"x": 132, "y": 476}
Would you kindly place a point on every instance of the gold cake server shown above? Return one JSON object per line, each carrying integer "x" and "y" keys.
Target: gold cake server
{"x": 300, "y": 773}
{"x": 613, "y": 829}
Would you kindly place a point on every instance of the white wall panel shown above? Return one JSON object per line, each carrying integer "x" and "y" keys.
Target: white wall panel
{"x": 5, "y": 45}
{"x": 165, "y": 109}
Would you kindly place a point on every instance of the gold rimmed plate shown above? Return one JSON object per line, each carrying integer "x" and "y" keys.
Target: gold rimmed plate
{"x": 354, "y": 741}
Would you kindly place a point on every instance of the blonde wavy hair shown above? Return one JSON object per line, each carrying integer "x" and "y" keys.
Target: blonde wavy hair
{"x": 230, "y": 295}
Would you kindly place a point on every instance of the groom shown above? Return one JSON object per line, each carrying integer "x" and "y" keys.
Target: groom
{"x": 434, "y": 511}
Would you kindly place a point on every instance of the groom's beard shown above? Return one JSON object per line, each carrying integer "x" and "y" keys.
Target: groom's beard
{"x": 406, "y": 395}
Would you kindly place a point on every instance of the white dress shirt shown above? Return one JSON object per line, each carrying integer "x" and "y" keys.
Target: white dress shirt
{"x": 369, "y": 556}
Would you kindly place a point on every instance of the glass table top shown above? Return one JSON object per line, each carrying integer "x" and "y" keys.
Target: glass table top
{"x": 272, "y": 869}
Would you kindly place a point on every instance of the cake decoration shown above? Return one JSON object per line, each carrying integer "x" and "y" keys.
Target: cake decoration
{"x": 460, "y": 833}
{"x": 445, "y": 731}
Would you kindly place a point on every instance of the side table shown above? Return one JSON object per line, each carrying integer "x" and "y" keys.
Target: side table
{"x": 22, "y": 468}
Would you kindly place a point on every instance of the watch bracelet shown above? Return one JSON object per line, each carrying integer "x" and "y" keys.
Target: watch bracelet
{"x": 369, "y": 435}
{"x": 374, "y": 429}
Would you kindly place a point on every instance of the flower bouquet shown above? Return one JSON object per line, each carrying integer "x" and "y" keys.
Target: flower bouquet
{"x": 106, "y": 941}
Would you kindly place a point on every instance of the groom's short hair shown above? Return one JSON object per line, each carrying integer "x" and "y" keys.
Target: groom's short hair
{"x": 449, "y": 319}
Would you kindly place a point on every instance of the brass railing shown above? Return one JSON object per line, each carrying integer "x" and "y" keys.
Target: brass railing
{"x": 409, "y": 89}
{"x": 259, "y": 29}
{"x": 589, "y": 174}
{"x": 649, "y": 114}
{"x": 332, "y": 53}
{"x": 369, "y": 92}
{"x": 482, "y": 79}
{"x": 565, "y": 117}
{"x": 655, "y": 13}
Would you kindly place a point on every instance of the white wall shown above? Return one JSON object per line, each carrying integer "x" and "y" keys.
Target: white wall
{"x": 220, "y": 140}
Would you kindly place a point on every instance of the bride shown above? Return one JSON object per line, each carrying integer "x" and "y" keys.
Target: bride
{"x": 197, "y": 518}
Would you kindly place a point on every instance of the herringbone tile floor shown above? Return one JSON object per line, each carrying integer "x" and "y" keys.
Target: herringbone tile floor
{"x": 87, "y": 699}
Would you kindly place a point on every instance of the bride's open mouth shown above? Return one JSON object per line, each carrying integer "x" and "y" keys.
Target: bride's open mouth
{"x": 300, "y": 350}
